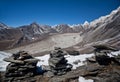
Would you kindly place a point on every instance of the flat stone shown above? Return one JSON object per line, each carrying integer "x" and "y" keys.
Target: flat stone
{"x": 29, "y": 66}
{"x": 31, "y": 60}
{"x": 13, "y": 61}
{"x": 105, "y": 47}
{"x": 22, "y": 69}
{"x": 94, "y": 67}
{"x": 12, "y": 69}
{"x": 49, "y": 74}
{"x": 74, "y": 53}
{"x": 47, "y": 68}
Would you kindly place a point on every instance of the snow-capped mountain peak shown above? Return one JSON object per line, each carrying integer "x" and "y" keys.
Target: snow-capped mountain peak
{"x": 85, "y": 24}
{"x": 115, "y": 11}
{"x": 105, "y": 19}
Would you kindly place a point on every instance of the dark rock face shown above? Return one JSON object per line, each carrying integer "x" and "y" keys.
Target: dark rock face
{"x": 21, "y": 66}
{"x": 57, "y": 62}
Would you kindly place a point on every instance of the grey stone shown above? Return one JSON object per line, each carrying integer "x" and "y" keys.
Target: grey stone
{"x": 46, "y": 68}
{"x": 74, "y": 53}
{"x": 49, "y": 74}
{"x": 22, "y": 69}
{"x": 91, "y": 59}
{"x": 13, "y": 61}
{"x": 31, "y": 60}
{"x": 27, "y": 66}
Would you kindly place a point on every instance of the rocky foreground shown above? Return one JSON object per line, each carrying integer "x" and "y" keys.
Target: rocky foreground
{"x": 91, "y": 70}
{"x": 99, "y": 73}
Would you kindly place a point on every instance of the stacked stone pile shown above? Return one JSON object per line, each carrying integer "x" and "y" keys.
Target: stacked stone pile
{"x": 101, "y": 54}
{"x": 22, "y": 65}
{"x": 57, "y": 62}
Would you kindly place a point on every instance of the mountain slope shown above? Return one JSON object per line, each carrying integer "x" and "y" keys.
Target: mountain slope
{"x": 61, "y": 40}
{"x": 105, "y": 30}
{"x": 105, "y": 27}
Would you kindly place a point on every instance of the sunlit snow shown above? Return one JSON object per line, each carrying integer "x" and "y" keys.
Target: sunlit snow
{"x": 44, "y": 59}
{"x": 71, "y": 59}
{"x": 3, "y": 64}
{"x": 81, "y": 79}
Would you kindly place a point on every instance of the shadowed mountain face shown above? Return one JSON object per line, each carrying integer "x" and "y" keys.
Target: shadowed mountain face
{"x": 105, "y": 30}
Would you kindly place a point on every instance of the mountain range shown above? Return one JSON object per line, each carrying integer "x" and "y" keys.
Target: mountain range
{"x": 81, "y": 37}
{"x": 14, "y": 37}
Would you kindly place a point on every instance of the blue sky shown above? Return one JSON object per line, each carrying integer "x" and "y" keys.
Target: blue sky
{"x": 51, "y": 12}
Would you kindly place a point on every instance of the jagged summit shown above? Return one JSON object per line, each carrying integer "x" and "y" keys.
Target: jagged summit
{"x": 86, "y": 24}
{"x": 34, "y": 24}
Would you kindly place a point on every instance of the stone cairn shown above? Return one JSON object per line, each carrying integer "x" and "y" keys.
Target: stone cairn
{"x": 22, "y": 65}
{"x": 101, "y": 54}
{"x": 57, "y": 62}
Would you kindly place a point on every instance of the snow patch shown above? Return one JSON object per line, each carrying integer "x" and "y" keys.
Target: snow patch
{"x": 112, "y": 54}
{"x": 82, "y": 58}
{"x": 86, "y": 24}
{"x": 82, "y": 79}
{"x": 3, "y": 64}
{"x": 43, "y": 60}
{"x": 33, "y": 38}
{"x": 71, "y": 59}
